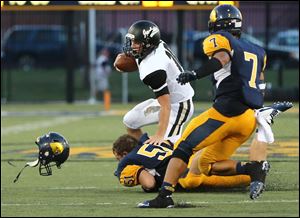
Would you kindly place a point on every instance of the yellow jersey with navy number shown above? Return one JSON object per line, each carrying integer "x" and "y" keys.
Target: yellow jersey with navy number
{"x": 236, "y": 84}
{"x": 144, "y": 156}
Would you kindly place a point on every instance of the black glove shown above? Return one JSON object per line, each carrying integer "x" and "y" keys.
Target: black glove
{"x": 186, "y": 77}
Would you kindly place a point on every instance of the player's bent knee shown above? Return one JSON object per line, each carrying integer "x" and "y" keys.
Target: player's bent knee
{"x": 129, "y": 121}
{"x": 205, "y": 168}
{"x": 183, "y": 152}
{"x": 191, "y": 181}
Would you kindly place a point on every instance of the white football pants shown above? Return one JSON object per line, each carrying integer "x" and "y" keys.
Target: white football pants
{"x": 147, "y": 113}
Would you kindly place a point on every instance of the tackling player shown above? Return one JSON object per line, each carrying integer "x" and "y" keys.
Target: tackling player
{"x": 158, "y": 69}
{"x": 237, "y": 69}
{"x": 145, "y": 164}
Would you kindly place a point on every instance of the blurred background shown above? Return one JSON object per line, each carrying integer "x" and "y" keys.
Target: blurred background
{"x": 49, "y": 48}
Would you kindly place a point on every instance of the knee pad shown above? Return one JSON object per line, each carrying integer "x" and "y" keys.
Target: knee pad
{"x": 183, "y": 152}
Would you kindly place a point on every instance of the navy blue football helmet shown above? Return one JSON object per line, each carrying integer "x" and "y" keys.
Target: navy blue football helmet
{"x": 54, "y": 150}
{"x": 226, "y": 17}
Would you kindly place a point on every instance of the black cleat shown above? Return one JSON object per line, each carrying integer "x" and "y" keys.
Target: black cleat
{"x": 158, "y": 202}
{"x": 257, "y": 171}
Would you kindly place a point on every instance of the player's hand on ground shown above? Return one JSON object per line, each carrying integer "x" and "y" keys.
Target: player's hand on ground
{"x": 186, "y": 77}
{"x": 155, "y": 140}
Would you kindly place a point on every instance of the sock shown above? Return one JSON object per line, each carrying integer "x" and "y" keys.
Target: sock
{"x": 226, "y": 181}
{"x": 167, "y": 189}
{"x": 191, "y": 181}
{"x": 264, "y": 131}
{"x": 241, "y": 168}
{"x": 265, "y": 134}
{"x": 249, "y": 168}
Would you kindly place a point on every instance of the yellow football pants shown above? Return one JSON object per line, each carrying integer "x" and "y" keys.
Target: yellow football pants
{"x": 192, "y": 181}
{"x": 216, "y": 135}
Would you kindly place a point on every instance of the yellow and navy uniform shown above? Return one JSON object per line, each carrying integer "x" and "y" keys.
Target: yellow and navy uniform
{"x": 156, "y": 159}
{"x": 237, "y": 82}
{"x": 220, "y": 130}
{"x": 144, "y": 156}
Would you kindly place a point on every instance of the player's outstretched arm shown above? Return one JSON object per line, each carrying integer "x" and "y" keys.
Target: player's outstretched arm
{"x": 214, "y": 64}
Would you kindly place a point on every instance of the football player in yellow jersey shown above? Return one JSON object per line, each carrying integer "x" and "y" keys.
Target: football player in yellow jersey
{"x": 237, "y": 69}
{"x": 145, "y": 164}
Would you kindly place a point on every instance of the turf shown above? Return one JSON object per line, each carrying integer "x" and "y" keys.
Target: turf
{"x": 86, "y": 186}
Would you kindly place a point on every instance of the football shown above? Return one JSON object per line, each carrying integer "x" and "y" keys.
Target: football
{"x": 124, "y": 63}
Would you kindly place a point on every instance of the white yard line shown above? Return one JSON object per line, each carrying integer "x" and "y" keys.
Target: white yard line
{"x": 124, "y": 203}
{"x": 244, "y": 202}
{"x": 71, "y": 188}
{"x": 15, "y": 129}
{"x": 60, "y": 118}
{"x": 62, "y": 113}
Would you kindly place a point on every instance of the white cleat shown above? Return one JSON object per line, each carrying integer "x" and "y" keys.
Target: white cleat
{"x": 268, "y": 113}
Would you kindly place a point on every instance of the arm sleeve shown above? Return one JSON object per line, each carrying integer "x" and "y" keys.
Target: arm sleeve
{"x": 157, "y": 82}
{"x": 211, "y": 66}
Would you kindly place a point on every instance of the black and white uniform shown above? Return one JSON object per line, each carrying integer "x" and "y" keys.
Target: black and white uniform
{"x": 159, "y": 70}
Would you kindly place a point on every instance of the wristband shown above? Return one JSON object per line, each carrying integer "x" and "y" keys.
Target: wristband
{"x": 262, "y": 86}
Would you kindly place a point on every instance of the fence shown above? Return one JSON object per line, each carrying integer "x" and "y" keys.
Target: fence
{"x": 55, "y": 65}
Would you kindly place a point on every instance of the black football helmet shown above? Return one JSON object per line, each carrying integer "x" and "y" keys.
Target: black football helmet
{"x": 53, "y": 151}
{"x": 227, "y": 18}
{"x": 144, "y": 32}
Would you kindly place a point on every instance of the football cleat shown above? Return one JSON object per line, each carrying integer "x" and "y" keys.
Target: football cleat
{"x": 258, "y": 172}
{"x": 268, "y": 113}
{"x": 256, "y": 188}
{"x": 158, "y": 202}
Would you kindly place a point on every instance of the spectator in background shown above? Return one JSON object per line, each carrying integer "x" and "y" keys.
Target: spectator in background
{"x": 103, "y": 71}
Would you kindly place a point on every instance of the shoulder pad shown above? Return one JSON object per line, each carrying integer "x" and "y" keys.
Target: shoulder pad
{"x": 214, "y": 43}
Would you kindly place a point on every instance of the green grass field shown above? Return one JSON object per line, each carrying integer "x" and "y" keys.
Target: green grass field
{"x": 86, "y": 186}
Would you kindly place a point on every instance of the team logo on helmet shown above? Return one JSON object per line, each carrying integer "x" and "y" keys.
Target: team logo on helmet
{"x": 150, "y": 32}
{"x": 213, "y": 15}
{"x": 57, "y": 147}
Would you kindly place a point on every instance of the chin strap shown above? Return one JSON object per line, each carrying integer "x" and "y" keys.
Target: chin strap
{"x": 17, "y": 177}
{"x": 30, "y": 164}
